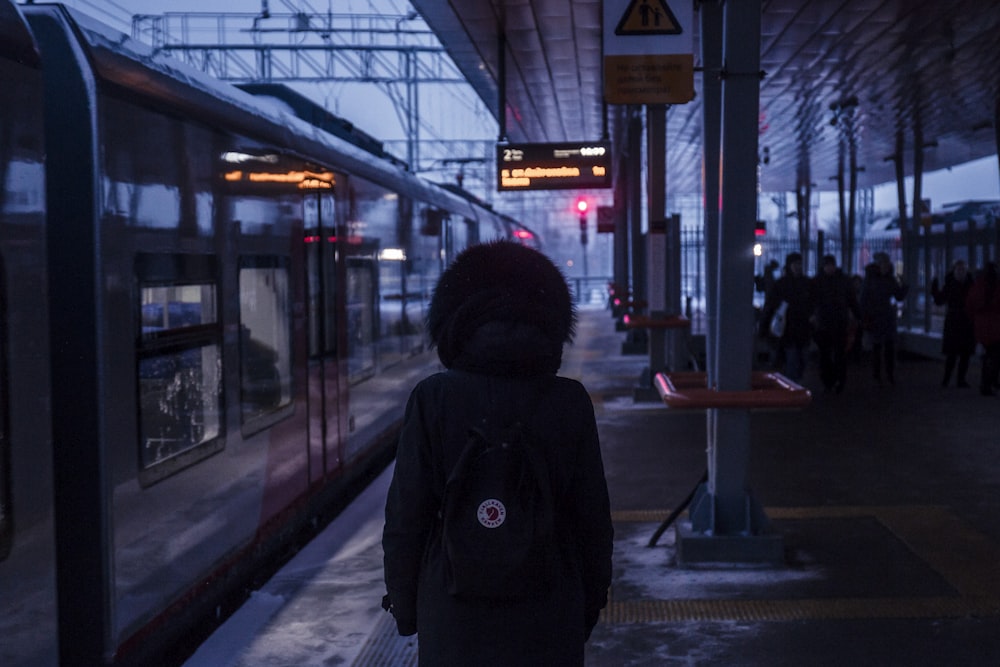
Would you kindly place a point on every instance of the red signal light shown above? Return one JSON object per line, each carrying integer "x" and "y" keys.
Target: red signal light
{"x": 581, "y": 205}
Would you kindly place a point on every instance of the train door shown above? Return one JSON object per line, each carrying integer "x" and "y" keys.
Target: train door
{"x": 324, "y": 371}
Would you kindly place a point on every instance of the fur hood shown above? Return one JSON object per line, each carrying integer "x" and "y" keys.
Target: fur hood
{"x": 503, "y": 309}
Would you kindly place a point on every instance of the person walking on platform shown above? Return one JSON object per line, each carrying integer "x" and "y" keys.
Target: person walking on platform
{"x": 983, "y": 305}
{"x": 836, "y": 311}
{"x": 792, "y": 288}
{"x": 499, "y": 317}
{"x": 958, "y": 340}
{"x": 878, "y": 313}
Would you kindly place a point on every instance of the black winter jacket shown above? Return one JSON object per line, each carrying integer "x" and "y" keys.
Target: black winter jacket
{"x": 558, "y": 416}
{"x": 795, "y": 290}
{"x": 959, "y": 336}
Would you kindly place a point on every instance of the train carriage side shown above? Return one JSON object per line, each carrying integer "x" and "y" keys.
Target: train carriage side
{"x": 27, "y": 543}
{"x": 237, "y": 321}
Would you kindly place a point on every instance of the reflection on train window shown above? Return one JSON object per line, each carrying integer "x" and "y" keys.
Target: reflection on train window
{"x": 265, "y": 340}
{"x": 180, "y": 362}
{"x": 362, "y": 285}
{"x": 156, "y": 169}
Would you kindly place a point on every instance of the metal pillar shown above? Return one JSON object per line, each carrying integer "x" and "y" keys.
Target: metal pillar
{"x": 677, "y": 339}
{"x": 657, "y": 291}
{"x": 711, "y": 57}
{"x": 726, "y": 524}
{"x": 620, "y": 276}
{"x": 635, "y": 203}
{"x": 635, "y": 341}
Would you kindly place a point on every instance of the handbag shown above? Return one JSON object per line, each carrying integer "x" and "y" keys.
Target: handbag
{"x": 777, "y": 326}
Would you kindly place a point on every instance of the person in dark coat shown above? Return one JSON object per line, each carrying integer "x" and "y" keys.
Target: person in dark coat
{"x": 958, "y": 340}
{"x": 499, "y": 317}
{"x": 793, "y": 288}
{"x": 878, "y": 313}
{"x": 983, "y": 305}
{"x": 836, "y": 311}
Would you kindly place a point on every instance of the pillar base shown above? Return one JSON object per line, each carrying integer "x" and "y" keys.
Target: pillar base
{"x": 632, "y": 347}
{"x": 695, "y": 548}
{"x": 754, "y": 542}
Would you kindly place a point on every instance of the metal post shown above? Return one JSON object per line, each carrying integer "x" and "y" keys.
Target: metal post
{"x": 740, "y": 102}
{"x": 711, "y": 56}
{"x": 726, "y": 524}
{"x": 910, "y": 257}
{"x": 621, "y": 275}
{"x": 677, "y": 350}
{"x": 635, "y": 204}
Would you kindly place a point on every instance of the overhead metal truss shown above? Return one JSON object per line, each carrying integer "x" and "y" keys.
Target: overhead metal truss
{"x": 395, "y": 53}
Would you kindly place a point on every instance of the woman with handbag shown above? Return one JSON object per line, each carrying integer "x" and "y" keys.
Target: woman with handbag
{"x": 792, "y": 288}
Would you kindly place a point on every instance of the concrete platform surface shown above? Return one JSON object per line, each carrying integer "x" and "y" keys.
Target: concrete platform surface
{"x": 887, "y": 499}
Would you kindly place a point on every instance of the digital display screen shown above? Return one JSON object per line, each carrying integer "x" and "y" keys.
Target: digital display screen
{"x": 553, "y": 166}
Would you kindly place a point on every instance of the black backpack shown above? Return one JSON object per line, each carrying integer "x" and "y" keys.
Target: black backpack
{"x": 498, "y": 518}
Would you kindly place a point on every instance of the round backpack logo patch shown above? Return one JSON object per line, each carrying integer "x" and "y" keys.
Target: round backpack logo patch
{"x": 491, "y": 513}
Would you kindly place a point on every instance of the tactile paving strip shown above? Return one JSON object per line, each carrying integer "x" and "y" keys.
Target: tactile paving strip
{"x": 386, "y": 647}
{"x": 665, "y": 611}
{"x": 964, "y": 557}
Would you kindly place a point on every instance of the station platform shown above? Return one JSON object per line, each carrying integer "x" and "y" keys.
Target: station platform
{"x": 887, "y": 497}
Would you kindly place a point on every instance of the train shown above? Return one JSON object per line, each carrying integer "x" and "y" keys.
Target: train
{"x": 211, "y": 313}
{"x": 964, "y": 230}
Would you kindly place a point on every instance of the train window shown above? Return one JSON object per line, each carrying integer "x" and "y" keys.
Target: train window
{"x": 265, "y": 341}
{"x": 362, "y": 285}
{"x": 321, "y": 271}
{"x": 179, "y": 363}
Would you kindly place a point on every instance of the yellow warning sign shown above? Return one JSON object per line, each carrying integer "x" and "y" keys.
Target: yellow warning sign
{"x": 648, "y": 17}
{"x": 666, "y": 79}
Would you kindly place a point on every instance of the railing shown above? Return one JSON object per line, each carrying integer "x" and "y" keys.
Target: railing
{"x": 931, "y": 253}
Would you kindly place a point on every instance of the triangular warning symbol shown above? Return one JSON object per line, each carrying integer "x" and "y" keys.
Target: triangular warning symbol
{"x": 648, "y": 17}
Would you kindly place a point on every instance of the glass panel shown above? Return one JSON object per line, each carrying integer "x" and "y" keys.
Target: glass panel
{"x": 177, "y": 306}
{"x": 265, "y": 339}
{"x": 328, "y": 222}
{"x": 360, "y": 318}
{"x": 180, "y": 377}
{"x": 321, "y": 273}
{"x": 179, "y": 401}
{"x": 390, "y": 313}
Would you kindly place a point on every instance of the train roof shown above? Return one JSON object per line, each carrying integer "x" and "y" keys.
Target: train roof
{"x": 131, "y": 65}
{"x": 963, "y": 210}
{"x": 314, "y": 114}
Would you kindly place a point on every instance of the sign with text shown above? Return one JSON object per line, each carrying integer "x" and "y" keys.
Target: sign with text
{"x": 553, "y": 166}
{"x": 665, "y": 79}
{"x": 648, "y": 51}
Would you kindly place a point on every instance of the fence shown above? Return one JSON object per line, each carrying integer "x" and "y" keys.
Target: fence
{"x": 932, "y": 251}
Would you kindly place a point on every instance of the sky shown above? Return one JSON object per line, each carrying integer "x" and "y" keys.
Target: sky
{"x": 448, "y": 112}
{"x": 118, "y": 13}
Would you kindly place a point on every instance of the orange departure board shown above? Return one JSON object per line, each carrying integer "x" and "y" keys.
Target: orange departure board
{"x": 553, "y": 166}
